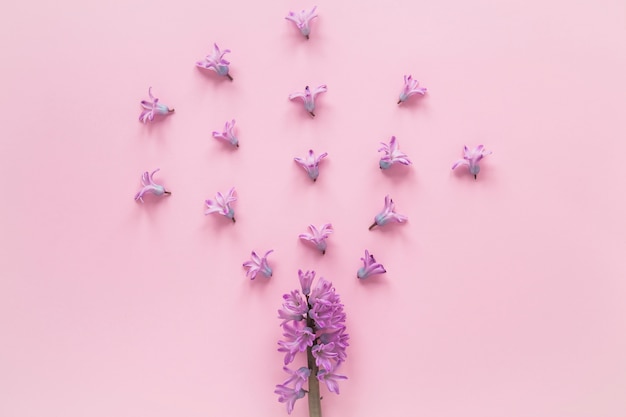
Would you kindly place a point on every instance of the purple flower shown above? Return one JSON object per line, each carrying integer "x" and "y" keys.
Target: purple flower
{"x": 216, "y": 62}
{"x": 221, "y": 205}
{"x": 152, "y": 108}
{"x": 149, "y": 186}
{"x": 311, "y": 164}
{"x": 370, "y": 267}
{"x": 388, "y": 214}
{"x": 298, "y": 338}
{"x": 324, "y": 354}
{"x": 318, "y": 237}
{"x": 289, "y": 396}
{"x": 328, "y": 319}
{"x": 302, "y": 20}
{"x": 298, "y": 378}
{"x": 330, "y": 378}
{"x": 411, "y": 87}
{"x": 294, "y": 307}
{"x": 322, "y": 335}
{"x": 308, "y": 97}
{"x": 471, "y": 159}
{"x": 392, "y": 154}
{"x": 228, "y": 135}
{"x": 258, "y": 264}
{"x": 306, "y": 279}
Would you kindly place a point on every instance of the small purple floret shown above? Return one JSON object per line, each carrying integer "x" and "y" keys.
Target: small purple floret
{"x": 221, "y": 205}
{"x": 308, "y": 97}
{"x": 370, "y": 266}
{"x": 318, "y": 236}
{"x": 411, "y": 87}
{"x": 149, "y": 186}
{"x": 471, "y": 158}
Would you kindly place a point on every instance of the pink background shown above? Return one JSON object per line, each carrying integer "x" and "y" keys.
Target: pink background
{"x": 503, "y": 297}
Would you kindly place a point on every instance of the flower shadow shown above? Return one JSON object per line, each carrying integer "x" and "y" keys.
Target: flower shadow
{"x": 415, "y": 103}
{"x": 377, "y": 280}
{"x": 213, "y": 76}
{"x": 399, "y": 172}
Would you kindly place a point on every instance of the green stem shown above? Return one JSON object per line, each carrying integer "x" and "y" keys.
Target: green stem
{"x": 315, "y": 406}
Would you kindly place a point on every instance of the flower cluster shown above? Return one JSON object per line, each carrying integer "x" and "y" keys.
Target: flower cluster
{"x": 312, "y": 322}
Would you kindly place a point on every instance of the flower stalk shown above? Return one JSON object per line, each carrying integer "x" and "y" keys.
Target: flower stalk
{"x": 315, "y": 406}
{"x": 312, "y": 322}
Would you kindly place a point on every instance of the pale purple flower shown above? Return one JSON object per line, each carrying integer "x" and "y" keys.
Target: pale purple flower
{"x": 289, "y": 396}
{"x": 297, "y": 338}
{"x": 471, "y": 157}
{"x": 302, "y": 20}
{"x": 308, "y": 97}
{"x": 322, "y": 335}
{"x": 294, "y": 307}
{"x": 330, "y": 378}
{"x": 306, "y": 279}
{"x": 152, "y": 108}
{"x": 410, "y": 88}
{"x": 388, "y": 214}
{"x": 298, "y": 378}
{"x": 216, "y": 62}
{"x": 327, "y": 319}
{"x": 311, "y": 164}
{"x": 392, "y": 154}
{"x": 228, "y": 135}
{"x": 221, "y": 205}
{"x": 370, "y": 267}
{"x": 318, "y": 236}
{"x": 324, "y": 355}
{"x": 149, "y": 186}
{"x": 258, "y": 264}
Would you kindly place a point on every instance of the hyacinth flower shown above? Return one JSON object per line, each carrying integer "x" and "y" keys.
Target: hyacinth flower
{"x": 370, "y": 267}
{"x": 152, "y": 108}
{"x": 308, "y": 97}
{"x": 318, "y": 236}
{"x": 392, "y": 155}
{"x": 258, "y": 264}
{"x": 149, "y": 186}
{"x": 221, "y": 205}
{"x": 410, "y": 88}
{"x": 388, "y": 214}
{"x": 312, "y": 322}
{"x": 216, "y": 62}
{"x": 302, "y": 20}
{"x": 311, "y": 164}
{"x": 471, "y": 158}
{"x": 228, "y": 134}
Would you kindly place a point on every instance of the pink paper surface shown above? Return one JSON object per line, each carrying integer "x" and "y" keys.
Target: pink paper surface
{"x": 503, "y": 297}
